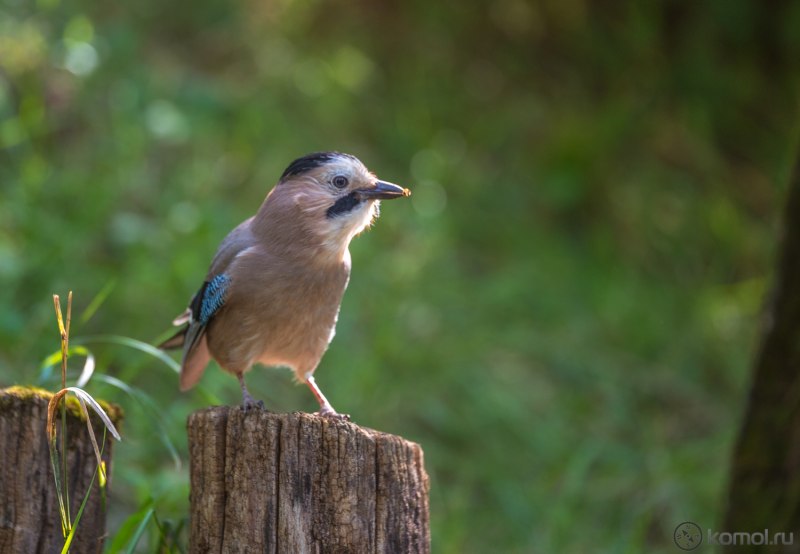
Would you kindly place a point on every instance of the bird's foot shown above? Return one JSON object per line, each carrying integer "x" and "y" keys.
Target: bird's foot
{"x": 325, "y": 408}
{"x": 328, "y": 411}
{"x": 250, "y": 403}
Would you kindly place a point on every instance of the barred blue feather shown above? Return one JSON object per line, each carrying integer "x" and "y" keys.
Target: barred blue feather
{"x": 213, "y": 297}
{"x": 204, "y": 305}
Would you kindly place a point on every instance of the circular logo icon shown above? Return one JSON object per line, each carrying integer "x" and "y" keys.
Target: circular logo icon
{"x": 688, "y": 536}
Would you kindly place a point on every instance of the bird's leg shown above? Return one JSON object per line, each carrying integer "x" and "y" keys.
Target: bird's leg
{"x": 325, "y": 408}
{"x": 247, "y": 400}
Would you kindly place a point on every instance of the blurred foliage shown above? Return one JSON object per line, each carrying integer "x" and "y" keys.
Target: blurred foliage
{"x": 562, "y": 315}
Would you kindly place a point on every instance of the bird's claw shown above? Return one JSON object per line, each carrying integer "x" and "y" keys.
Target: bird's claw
{"x": 254, "y": 406}
{"x": 250, "y": 403}
{"x": 329, "y": 412}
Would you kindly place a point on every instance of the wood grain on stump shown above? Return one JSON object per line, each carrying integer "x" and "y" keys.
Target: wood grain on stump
{"x": 265, "y": 482}
{"x": 29, "y": 518}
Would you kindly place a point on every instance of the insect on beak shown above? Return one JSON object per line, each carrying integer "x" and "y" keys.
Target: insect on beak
{"x": 383, "y": 191}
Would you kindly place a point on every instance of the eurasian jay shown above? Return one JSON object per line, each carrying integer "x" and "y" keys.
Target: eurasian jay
{"x": 273, "y": 291}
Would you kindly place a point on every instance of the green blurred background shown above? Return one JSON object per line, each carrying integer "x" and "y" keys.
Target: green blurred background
{"x": 564, "y": 313}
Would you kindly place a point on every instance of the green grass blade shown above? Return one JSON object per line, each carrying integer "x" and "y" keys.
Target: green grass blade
{"x": 132, "y": 528}
{"x": 168, "y": 535}
{"x": 137, "y": 535}
{"x": 98, "y": 300}
{"x": 150, "y": 409}
{"x": 54, "y": 359}
{"x": 56, "y": 463}
{"x": 208, "y": 397}
{"x": 132, "y": 343}
{"x": 126, "y": 531}
{"x": 65, "y": 482}
{"x": 71, "y": 535}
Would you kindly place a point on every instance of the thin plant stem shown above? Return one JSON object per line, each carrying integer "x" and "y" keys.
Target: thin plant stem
{"x": 64, "y": 331}
{"x": 58, "y": 403}
{"x": 65, "y": 346}
{"x": 68, "y": 541}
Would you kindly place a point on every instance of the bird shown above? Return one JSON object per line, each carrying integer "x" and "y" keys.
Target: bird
{"x": 274, "y": 287}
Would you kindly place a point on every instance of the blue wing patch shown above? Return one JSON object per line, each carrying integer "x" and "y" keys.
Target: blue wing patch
{"x": 213, "y": 297}
{"x": 207, "y": 302}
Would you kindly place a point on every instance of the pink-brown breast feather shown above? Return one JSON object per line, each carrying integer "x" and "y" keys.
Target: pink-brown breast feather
{"x": 279, "y": 312}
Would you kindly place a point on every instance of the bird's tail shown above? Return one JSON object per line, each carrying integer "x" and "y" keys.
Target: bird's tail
{"x": 191, "y": 338}
{"x": 175, "y": 341}
{"x": 178, "y": 339}
{"x": 194, "y": 363}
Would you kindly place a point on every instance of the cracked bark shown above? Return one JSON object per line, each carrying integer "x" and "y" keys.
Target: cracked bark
{"x": 264, "y": 482}
{"x": 29, "y": 520}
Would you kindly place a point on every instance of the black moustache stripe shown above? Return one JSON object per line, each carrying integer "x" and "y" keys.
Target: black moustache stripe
{"x": 343, "y": 205}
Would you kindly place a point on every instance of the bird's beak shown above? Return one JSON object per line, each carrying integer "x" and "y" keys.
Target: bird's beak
{"x": 383, "y": 191}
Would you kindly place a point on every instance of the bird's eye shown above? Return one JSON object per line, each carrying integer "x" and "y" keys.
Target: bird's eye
{"x": 340, "y": 181}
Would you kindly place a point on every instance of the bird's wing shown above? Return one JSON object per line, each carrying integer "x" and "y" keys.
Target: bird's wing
{"x": 205, "y": 304}
{"x": 203, "y": 307}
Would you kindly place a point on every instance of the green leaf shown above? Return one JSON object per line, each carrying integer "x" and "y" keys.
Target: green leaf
{"x": 54, "y": 359}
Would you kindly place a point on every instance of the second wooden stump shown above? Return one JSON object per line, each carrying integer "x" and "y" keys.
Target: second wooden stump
{"x": 265, "y": 482}
{"x": 29, "y": 508}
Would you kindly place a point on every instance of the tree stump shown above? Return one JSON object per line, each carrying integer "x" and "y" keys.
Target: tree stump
{"x": 29, "y": 515}
{"x": 297, "y": 483}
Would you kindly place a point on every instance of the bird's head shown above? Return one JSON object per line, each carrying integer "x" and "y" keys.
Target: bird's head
{"x": 334, "y": 195}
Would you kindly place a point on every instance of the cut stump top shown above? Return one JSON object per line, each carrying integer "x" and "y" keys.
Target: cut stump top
{"x": 299, "y": 482}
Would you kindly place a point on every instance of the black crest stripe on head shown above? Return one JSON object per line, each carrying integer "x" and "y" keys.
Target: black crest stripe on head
{"x": 310, "y": 161}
